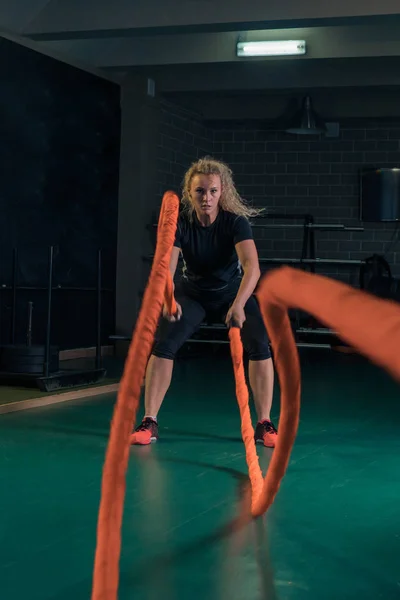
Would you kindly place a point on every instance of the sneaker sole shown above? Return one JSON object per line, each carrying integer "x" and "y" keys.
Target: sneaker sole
{"x": 152, "y": 441}
{"x": 261, "y": 443}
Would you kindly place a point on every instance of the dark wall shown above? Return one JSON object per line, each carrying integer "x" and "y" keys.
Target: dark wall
{"x": 60, "y": 138}
{"x": 182, "y": 139}
{"x": 178, "y": 138}
{"x": 159, "y": 141}
{"x": 137, "y": 196}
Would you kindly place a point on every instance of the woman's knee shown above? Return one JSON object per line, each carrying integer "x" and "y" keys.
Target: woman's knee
{"x": 164, "y": 350}
{"x": 255, "y": 341}
{"x": 254, "y": 334}
{"x": 258, "y": 352}
{"x": 172, "y": 336}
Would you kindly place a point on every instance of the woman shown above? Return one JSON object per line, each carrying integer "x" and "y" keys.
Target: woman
{"x": 221, "y": 271}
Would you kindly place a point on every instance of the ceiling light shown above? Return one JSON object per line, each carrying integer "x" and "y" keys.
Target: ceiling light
{"x": 278, "y": 48}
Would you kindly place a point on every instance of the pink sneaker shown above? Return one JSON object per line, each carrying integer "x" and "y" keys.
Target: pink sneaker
{"x": 146, "y": 433}
{"x": 266, "y": 434}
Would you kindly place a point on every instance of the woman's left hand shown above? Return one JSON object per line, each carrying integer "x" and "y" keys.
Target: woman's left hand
{"x": 236, "y": 314}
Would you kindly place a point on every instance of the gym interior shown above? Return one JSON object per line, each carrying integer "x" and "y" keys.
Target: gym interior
{"x": 104, "y": 109}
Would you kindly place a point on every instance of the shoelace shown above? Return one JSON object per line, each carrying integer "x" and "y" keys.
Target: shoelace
{"x": 145, "y": 425}
{"x": 268, "y": 427}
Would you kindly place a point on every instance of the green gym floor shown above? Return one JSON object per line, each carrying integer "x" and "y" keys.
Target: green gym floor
{"x": 333, "y": 532}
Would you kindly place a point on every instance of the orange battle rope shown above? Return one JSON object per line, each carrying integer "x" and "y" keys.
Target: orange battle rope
{"x": 287, "y": 364}
{"x": 352, "y": 313}
{"x": 106, "y": 566}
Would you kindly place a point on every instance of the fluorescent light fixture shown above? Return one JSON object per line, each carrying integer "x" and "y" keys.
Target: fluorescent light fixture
{"x": 278, "y": 48}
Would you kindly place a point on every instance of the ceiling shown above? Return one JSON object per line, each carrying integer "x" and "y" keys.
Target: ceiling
{"x": 188, "y": 46}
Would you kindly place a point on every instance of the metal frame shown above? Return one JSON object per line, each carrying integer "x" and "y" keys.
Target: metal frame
{"x": 61, "y": 379}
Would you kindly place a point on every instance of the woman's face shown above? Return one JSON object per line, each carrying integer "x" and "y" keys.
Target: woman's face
{"x": 205, "y": 192}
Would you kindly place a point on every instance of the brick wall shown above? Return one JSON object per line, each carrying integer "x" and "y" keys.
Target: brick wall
{"x": 182, "y": 139}
{"x": 287, "y": 173}
{"x": 319, "y": 176}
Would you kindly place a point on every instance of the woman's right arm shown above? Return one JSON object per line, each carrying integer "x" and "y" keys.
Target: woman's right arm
{"x": 174, "y": 261}
{"x": 172, "y": 267}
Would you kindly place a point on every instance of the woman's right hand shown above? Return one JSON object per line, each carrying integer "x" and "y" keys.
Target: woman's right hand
{"x": 176, "y": 316}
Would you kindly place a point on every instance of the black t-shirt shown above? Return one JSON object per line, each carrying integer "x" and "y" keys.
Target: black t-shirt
{"x": 209, "y": 255}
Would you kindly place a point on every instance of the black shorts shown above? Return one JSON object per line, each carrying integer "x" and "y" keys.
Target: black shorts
{"x": 212, "y": 306}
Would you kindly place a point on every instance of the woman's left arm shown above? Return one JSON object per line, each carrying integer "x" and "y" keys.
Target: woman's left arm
{"x": 248, "y": 257}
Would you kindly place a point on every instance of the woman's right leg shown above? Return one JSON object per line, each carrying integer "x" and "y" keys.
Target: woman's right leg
{"x": 158, "y": 380}
{"x": 170, "y": 339}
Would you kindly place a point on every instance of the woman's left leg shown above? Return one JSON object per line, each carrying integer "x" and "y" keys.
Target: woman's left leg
{"x": 261, "y": 376}
{"x": 261, "y": 371}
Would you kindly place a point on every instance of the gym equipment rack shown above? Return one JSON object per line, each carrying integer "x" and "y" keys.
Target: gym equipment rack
{"x": 38, "y": 365}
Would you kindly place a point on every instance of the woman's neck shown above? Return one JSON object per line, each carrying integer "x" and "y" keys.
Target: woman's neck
{"x": 207, "y": 220}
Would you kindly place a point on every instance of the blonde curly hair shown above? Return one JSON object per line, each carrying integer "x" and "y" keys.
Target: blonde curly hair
{"x": 230, "y": 199}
